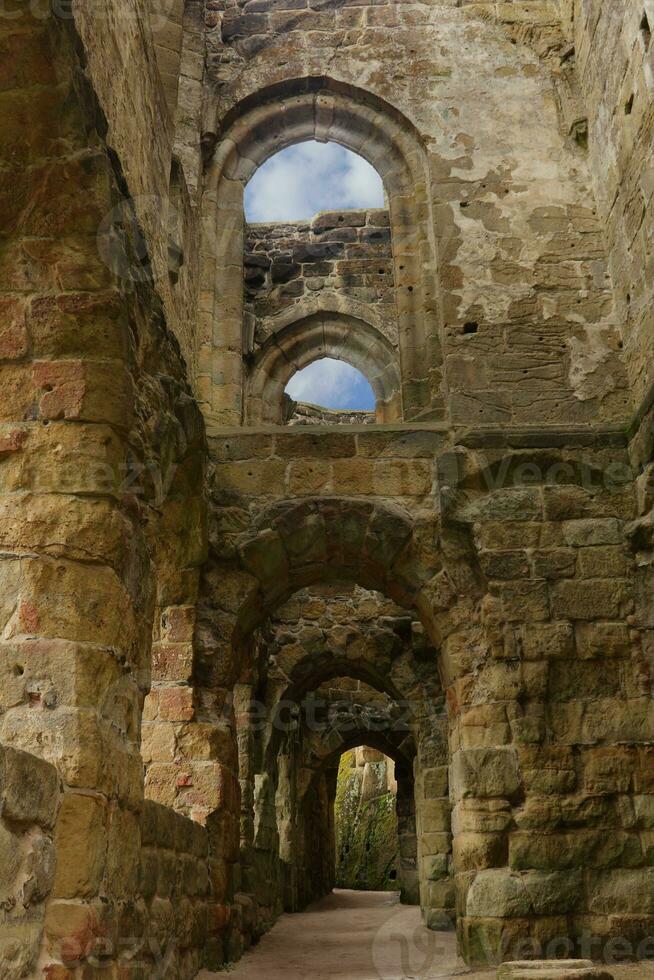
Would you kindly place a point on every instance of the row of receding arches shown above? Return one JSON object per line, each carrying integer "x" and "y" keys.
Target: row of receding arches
{"x": 288, "y": 765}
{"x": 280, "y": 625}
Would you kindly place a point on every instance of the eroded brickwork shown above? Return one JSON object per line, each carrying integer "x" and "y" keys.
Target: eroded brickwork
{"x": 616, "y": 78}
{"x": 30, "y": 794}
{"x": 179, "y": 569}
{"x": 345, "y": 255}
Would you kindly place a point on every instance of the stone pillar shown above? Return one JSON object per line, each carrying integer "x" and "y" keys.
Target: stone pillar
{"x": 434, "y": 826}
{"x": 75, "y": 609}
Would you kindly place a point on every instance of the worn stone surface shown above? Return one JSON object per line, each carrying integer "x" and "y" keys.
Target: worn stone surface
{"x": 30, "y": 795}
{"x": 202, "y": 608}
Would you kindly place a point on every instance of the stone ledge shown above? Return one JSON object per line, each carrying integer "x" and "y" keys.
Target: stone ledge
{"x": 552, "y": 970}
{"x": 518, "y": 437}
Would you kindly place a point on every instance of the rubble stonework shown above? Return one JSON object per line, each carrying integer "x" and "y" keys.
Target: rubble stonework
{"x": 202, "y": 607}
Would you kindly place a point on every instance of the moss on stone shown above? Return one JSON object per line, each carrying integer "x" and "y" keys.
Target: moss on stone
{"x": 366, "y": 830}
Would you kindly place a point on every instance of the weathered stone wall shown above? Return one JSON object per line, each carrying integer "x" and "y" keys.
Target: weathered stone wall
{"x": 511, "y": 300}
{"x": 520, "y": 552}
{"x": 176, "y": 888}
{"x": 304, "y": 413}
{"x": 145, "y": 61}
{"x": 342, "y": 255}
{"x": 578, "y": 724}
{"x": 363, "y": 463}
{"x": 30, "y": 794}
{"x": 102, "y": 458}
{"x": 615, "y": 71}
{"x": 324, "y": 289}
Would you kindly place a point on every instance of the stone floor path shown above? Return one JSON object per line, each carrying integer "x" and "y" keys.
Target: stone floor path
{"x": 350, "y": 936}
{"x": 363, "y": 936}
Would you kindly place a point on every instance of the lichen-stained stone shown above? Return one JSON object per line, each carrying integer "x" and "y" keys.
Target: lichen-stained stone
{"x": 29, "y": 788}
{"x": 491, "y": 772}
{"x": 498, "y": 893}
{"x": 472, "y": 569}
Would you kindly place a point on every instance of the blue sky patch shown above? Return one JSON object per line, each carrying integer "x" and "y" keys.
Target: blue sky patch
{"x": 332, "y": 384}
{"x": 301, "y": 180}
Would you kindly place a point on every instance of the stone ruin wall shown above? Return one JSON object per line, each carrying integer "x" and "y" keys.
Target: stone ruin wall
{"x": 529, "y": 589}
{"x": 304, "y": 413}
{"x": 336, "y": 270}
{"x": 615, "y": 71}
{"x": 515, "y": 244}
{"x": 101, "y": 452}
{"x": 342, "y": 258}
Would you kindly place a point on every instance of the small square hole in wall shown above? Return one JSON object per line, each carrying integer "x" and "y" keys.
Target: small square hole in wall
{"x": 470, "y": 327}
{"x": 629, "y": 105}
{"x": 646, "y": 31}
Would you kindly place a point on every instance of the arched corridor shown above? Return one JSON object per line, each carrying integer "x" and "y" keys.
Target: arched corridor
{"x": 210, "y": 592}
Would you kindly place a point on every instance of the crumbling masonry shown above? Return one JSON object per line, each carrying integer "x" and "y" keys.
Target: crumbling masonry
{"x": 203, "y": 606}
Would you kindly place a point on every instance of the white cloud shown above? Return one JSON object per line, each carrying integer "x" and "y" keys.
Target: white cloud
{"x": 301, "y": 180}
{"x": 332, "y": 384}
{"x": 360, "y": 187}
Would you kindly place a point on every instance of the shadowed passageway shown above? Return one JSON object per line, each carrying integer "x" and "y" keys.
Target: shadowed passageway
{"x": 355, "y": 935}
{"x": 351, "y": 935}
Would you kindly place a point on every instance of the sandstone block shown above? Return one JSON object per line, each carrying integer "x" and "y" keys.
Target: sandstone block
{"x": 542, "y": 641}
{"x": 552, "y": 970}
{"x": 621, "y": 891}
{"x": 29, "y": 788}
{"x": 475, "y": 852}
{"x": 434, "y": 816}
{"x": 588, "y": 532}
{"x": 80, "y": 841}
{"x": 596, "y": 599}
{"x": 604, "y": 639}
{"x": 485, "y": 772}
{"x": 524, "y": 601}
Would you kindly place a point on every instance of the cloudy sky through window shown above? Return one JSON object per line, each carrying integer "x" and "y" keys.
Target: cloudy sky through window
{"x": 332, "y": 384}
{"x": 298, "y": 182}
{"x": 294, "y": 185}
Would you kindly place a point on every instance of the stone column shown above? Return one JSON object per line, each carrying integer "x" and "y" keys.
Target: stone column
{"x": 75, "y": 612}
{"x": 434, "y": 827}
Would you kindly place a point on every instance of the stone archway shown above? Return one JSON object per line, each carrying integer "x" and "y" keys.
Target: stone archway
{"x": 284, "y": 722}
{"x": 319, "y": 765}
{"x": 376, "y": 545}
{"x": 334, "y": 335}
{"x": 321, "y": 109}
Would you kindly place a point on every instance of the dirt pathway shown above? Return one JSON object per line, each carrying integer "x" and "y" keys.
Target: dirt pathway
{"x": 364, "y": 936}
{"x": 351, "y": 936}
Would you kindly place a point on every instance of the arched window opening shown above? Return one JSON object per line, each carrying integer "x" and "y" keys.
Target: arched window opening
{"x": 378, "y": 265}
{"x": 329, "y": 390}
{"x": 318, "y": 243}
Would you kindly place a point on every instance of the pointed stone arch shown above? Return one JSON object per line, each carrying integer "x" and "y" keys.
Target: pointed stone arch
{"x": 300, "y": 343}
{"x": 280, "y": 116}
